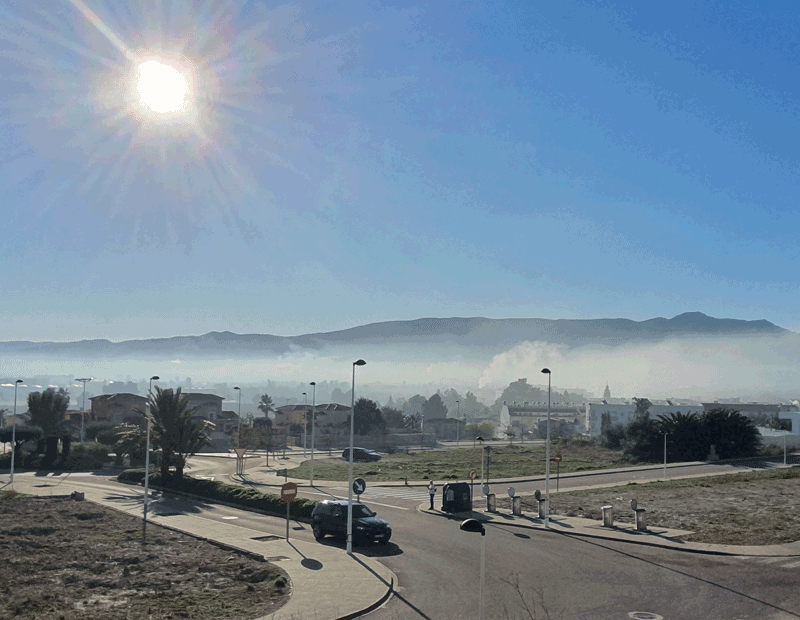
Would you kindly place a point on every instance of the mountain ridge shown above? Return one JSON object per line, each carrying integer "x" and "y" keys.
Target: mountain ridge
{"x": 480, "y": 332}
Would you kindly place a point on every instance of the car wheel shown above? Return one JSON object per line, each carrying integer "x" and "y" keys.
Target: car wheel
{"x": 319, "y": 533}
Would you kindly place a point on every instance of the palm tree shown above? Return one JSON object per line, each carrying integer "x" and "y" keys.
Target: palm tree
{"x": 131, "y": 440}
{"x": 266, "y": 405}
{"x": 48, "y": 410}
{"x": 175, "y": 431}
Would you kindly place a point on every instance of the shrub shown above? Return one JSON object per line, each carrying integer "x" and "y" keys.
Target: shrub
{"x": 214, "y": 490}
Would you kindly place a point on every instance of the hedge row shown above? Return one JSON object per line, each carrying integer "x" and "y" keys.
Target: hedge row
{"x": 230, "y": 493}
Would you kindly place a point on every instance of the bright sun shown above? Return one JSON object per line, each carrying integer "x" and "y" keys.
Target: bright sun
{"x": 161, "y": 87}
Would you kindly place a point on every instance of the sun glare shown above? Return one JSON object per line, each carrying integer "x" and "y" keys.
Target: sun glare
{"x": 161, "y": 87}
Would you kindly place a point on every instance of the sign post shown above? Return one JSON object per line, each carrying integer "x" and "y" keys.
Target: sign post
{"x": 557, "y": 459}
{"x": 288, "y": 493}
{"x": 240, "y": 459}
{"x": 472, "y": 475}
{"x": 359, "y": 486}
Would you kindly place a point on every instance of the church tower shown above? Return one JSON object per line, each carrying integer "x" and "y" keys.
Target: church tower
{"x": 606, "y": 393}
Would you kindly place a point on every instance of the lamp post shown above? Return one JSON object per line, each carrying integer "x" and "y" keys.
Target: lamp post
{"x": 350, "y": 476}
{"x": 458, "y": 413}
{"x": 313, "y": 419}
{"x": 147, "y": 457}
{"x": 547, "y": 456}
{"x": 305, "y": 423}
{"x": 83, "y": 406}
{"x": 473, "y": 525}
{"x": 14, "y": 430}
{"x": 238, "y": 389}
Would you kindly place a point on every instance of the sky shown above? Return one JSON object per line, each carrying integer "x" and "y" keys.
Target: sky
{"x": 337, "y": 164}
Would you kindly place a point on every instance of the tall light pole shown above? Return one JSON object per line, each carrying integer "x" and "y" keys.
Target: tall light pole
{"x": 305, "y": 423}
{"x": 14, "y": 430}
{"x": 147, "y": 457}
{"x": 350, "y": 478}
{"x": 313, "y": 419}
{"x": 458, "y": 413}
{"x": 240, "y": 403}
{"x": 83, "y": 406}
{"x": 547, "y": 456}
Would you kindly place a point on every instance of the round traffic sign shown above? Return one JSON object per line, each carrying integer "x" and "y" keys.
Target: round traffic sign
{"x": 486, "y": 489}
{"x": 288, "y": 492}
{"x": 511, "y": 492}
{"x": 359, "y": 486}
{"x": 557, "y": 458}
{"x": 473, "y": 474}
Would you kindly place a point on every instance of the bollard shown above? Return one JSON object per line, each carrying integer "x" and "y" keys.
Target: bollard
{"x": 608, "y": 516}
{"x": 491, "y": 503}
{"x": 641, "y": 520}
{"x": 542, "y": 508}
{"x": 516, "y": 506}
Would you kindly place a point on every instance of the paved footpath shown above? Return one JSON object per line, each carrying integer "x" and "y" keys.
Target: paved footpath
{"x": 327, "y": 583}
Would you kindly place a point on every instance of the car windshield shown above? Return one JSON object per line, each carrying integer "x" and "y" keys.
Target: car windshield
{"x": 359, "y": 511}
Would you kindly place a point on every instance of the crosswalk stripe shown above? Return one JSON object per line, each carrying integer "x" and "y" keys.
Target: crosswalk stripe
{"x": 388, "y": 492}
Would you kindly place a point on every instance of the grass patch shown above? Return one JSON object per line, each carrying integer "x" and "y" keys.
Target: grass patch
{"x": 507, "y": 462}
{"x": 690, "y": 483}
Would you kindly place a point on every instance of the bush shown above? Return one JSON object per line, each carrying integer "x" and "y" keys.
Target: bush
{"x": 85, "y": 456}
{"x": 230, "y": 493}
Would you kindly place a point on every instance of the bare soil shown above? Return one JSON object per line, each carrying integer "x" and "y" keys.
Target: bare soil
{"x": 68, "y": 560}
{"x": 748, "y": 508}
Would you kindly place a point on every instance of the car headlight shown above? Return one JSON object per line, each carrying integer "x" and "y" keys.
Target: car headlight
{"x": 360, "y": 528}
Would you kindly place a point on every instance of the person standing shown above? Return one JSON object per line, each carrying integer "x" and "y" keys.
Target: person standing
{"x": 432, "y": 492}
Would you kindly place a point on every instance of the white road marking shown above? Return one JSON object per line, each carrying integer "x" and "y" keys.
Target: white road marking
{"x": 230, "y": 517}
{"x": 792, "y": 565}
{"x": 329, "y": 496}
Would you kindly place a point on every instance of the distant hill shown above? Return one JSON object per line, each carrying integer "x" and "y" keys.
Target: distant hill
{"x": 473, "y": 333}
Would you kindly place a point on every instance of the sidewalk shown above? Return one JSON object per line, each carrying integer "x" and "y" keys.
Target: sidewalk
{"x": 327, "y": 583}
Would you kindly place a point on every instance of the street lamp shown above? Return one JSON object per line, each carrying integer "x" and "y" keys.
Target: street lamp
{"x": 350, "y": 478}
{"x": 14, "y": 430}
{"x": 473, "y": 525}
{"x": 458, "y": 413}
{"x": 305, "y": 423}
{"x": 83, "y": 406}
{"x": 147, "y": 456}
{"x": 547, "y": 456}
{"x": 240, "y": 404}
{"x": 313, "y": 419}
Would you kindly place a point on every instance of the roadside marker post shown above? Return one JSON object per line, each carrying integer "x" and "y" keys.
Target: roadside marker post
{"x": 288, "y": 493}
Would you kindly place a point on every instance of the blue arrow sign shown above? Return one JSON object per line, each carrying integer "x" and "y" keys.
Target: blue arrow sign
{"x": 359, "y": 486}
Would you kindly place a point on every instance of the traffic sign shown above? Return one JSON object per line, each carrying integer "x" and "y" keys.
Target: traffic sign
{"x": 486, "y": 489}
{"x": 288, "y": 492}
{"x": 557, "y": 458}
{"x": 359, "y": 486}
{"x": 511, "y": 492}
{"x": 473, "y": 474}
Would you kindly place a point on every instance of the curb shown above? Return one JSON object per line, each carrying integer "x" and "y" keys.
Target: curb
{"x": 372, "y": 607}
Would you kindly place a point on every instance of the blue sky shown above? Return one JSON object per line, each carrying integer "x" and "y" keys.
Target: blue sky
{"x": 354, "y": 162}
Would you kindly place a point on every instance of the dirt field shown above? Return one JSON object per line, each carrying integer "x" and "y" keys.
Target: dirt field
{"x": 65, "y": 560}
{"x": 749, "y": 508}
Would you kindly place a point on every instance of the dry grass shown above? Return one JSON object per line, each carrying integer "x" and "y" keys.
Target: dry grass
{"x": 69, "y": 560}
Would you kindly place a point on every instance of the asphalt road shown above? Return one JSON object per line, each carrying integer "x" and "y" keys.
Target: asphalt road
{"x": 532, "y": 573}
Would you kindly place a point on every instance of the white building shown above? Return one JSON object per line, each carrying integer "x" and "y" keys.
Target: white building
{"x": 526, "y": 416}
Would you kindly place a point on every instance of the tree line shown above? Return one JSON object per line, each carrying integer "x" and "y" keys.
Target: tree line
{"x": 722, "y": 433}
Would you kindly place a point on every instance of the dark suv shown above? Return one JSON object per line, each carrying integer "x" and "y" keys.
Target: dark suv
{"x": 330, "y": 517}
{"x": 361, "y": 454}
